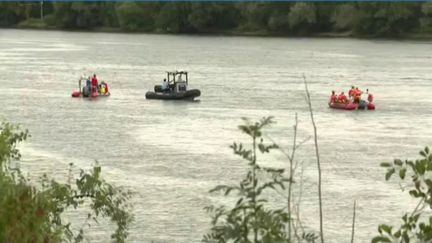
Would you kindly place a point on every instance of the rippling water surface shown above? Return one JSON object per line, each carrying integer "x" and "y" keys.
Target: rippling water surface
{"x": 172, "y": 153}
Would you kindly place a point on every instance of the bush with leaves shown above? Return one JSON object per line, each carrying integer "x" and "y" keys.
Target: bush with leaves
{"x": 249, "y": 220}
{"x": 414, "y": 227}
{"x": 35, "y": 213}
{"x": 252, "y": 219}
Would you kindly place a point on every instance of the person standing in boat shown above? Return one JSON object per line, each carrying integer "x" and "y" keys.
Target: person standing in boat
{"x": 88, "y": 84}
{"x": 369, "y": 96}
{"x": 94, "y": 82}
{"x": 351, "y": 92}
{"x": 165, "y": 85}
{"x": 357, "y": 95}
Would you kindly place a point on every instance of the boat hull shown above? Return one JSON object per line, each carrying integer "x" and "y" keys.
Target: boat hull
{"x": 188, "y": 95}
{"x": 353, "y": 106}
{"x": 77, "y": 94}
{"x": 342, "y": 106}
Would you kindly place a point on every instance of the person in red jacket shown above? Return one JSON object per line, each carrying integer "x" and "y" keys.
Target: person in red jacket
{"x": 370, "y": 96}
{"x": 357, "y": 95}
{"x": 94, "y": 82}
{"x": 342, "y": 98}
{"x": 333, "y": 98}
{"x": 351, "y": 92}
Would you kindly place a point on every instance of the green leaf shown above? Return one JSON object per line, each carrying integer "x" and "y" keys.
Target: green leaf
{"x": 378, "y": 239}
{"x": 402, "y": 173}
{"x": 389, "y": 173}
{"x": 239, "y": 202}
{"x": 397, "y": 234}
{"x": 405, "y": 237}
{"x": 416, "y": 217}
{"x": 228, "y": 190}
{"x": 414, "y": 193}
{"x": 398, "y": 162}
{"x": 385, "y": 164}
{"x": 385, "y": 228}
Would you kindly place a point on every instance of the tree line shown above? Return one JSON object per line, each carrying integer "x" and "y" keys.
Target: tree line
{"x": 264, "y": 18}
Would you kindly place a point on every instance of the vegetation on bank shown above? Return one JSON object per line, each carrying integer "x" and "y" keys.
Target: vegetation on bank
{"x": 35, "y": 211}
{"x": 372, "y": 19}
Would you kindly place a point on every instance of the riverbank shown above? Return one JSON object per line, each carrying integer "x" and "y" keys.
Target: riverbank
{"x": 37, "y": 24}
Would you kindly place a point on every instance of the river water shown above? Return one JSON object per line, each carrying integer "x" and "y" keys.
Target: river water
{"x": 171, "y": 153}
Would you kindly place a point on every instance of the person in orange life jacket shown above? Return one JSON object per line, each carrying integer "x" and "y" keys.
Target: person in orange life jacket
{"x": 357, "y": 95}
{"x": 94, "y": 83}
{"x": 333, "y": 98}
{"x": 342, "y": 98}
{"x": 351, "y": 92}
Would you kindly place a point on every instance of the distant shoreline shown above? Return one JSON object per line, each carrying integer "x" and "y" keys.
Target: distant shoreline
{"x": 234, "y": 33}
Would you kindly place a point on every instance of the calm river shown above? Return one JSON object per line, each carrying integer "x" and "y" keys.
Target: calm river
{"x": 171, "y": 153}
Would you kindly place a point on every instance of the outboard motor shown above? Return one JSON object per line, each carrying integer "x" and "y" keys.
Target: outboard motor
{"x": 362, "y": 105}
{"x": 86, "y": 91}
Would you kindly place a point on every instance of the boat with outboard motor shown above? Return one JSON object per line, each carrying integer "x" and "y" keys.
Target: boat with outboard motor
{"x": 362, "y": 105}
{"x": 176, "y": 88}
{"x": 87, "y": 92}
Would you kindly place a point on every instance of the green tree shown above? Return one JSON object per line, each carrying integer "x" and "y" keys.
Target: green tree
{"x": 278, "y": 19}
{"x": 201, "y": 17}
{"x": 11, "y": 13}
{"x": 302, "y": 17}
{"x": 34, "y": 213}
{"x": 86, "y": 15}
{"x": 134, "y": 16}
{"x": 255, "y": 15}
{"x": 213, "y": 16}
{"x": 8, "y": 16}
{"x": 108, "y": 14}
{"x": 385, "y": 19}
{"x": 173, "y": 18}
{"x": 417, "y": 225}
{"x": 426, "y": 19}
{"x": 64, "y": 16}
{"x": 343, "y": 17}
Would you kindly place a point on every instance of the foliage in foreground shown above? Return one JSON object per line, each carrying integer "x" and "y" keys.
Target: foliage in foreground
{"x": 252, "y": 219}
{"x": 416, "y": 226}
{"x": 35, "y": 213}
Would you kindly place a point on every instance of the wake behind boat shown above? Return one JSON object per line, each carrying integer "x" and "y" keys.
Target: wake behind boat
{"x": 174, "y": 88}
